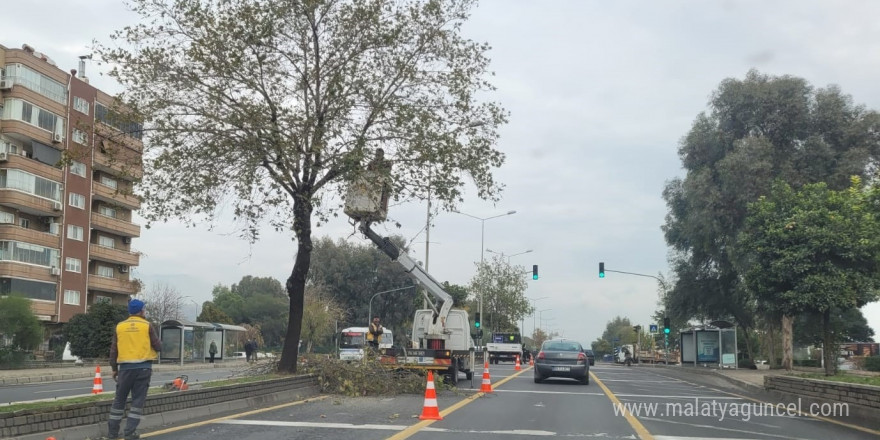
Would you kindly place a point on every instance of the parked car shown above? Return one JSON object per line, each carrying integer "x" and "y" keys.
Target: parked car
{"x": 562, "y": 358}
{"x": 590, "y": 356}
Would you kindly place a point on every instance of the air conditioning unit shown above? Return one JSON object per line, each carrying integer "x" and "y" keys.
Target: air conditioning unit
{"x": 57, "y": 206}
{"x": 54, "y": 228}
{"x": 57, "y": 137}
{"x": 56, "y": 271}
{"x": 126, "y": 240}
{"x": 123, "y": 269}
{"x": 3, "y": 156}
{"x": 6, "y": 84}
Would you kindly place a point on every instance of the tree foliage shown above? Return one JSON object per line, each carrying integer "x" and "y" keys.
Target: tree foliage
{"x": 847, "y": 325}
{"x": 91, "y": 333}
{"x": 212, "y": 313}
{"x": 273, "y": 106}
{"x": 259, "y": 301}
{"x": 756, "y": 130}
{"x": 617, "y": 332}
{"x": 18, "y": 323}
{"x": 320, "y": 318}
{"x": 812, "y": 250}
{"x": 503, "y": 289}
{"x": 162, "y": 302}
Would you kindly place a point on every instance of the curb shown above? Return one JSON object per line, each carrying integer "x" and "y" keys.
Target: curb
{"x": 713, "y": 372}
{"x": 88, "y": 372}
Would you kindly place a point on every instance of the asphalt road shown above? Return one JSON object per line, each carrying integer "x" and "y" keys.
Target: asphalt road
{"x": 520, "y": 409}
{"x": 78, "y": 387}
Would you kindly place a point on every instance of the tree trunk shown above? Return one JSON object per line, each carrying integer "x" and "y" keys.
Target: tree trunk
{"x": 771, "y": 345}
{"x": 829, "y": 350}
{"x": 296, "y": 283}
{"x": 748, "y": 338}
{"x": 787, "y": 353}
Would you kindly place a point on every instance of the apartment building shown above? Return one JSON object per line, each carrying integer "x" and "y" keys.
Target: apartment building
{"x": 68, "y": 163}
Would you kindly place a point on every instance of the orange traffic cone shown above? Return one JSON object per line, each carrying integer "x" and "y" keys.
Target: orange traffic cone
{"x": 486, "y": 386}
{"x": 430, "y": 411}
{"x": 517, "y": 367}
{"x": 532, "y": 360}
{"x": 98, "y": 386}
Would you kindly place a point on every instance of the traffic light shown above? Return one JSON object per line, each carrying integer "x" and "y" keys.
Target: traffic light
{"x": 534, "y": 271}
{"x": 477, "y": 320}
{"x": 666, "y": 328}
{"x": 601, "y": 270}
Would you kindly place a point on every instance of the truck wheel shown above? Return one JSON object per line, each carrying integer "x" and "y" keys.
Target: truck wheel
{"x": 469, "y": 375}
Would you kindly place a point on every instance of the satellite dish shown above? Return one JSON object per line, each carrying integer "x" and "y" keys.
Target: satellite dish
{"x": 721, "y": 324}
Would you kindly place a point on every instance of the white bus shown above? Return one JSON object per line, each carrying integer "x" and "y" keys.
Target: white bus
{"x": 352, "y": 341}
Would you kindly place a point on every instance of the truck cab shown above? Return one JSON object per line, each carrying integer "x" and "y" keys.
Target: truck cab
{"x": 504, "y": 346}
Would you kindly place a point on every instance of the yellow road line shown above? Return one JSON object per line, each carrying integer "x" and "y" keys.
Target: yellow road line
{"x": 633, "y": 421}
{"x": 234, "y": 416}
{"x": 408, "y": 432}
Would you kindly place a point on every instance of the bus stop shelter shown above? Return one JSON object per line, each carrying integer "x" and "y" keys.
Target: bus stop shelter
{"x": 709, "y": 345}
{"x": 189, "y": 341}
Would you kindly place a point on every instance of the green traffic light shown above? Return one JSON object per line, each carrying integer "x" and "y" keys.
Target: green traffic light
{"x": 477, "y": 324}
{"x": 601, "y": 270}
{"x": 666, "y": 330}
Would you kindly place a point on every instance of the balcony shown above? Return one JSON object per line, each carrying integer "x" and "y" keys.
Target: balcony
{"x": 32, "y": 166}
{"x": 30, "y": 203}
{"x": 115, "y": 226}
{"x": 114, "y": 285}
{"x": 27, "y": 271}
{"x": 106, "y": 194}
{"x": 129, "y": 167}
{"x": 118, "y": 256}
{"x": 31, "y": 236}
{"x": 22, "y": 130}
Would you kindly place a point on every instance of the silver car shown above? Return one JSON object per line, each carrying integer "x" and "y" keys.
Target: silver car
{"x": 562, "y": 358}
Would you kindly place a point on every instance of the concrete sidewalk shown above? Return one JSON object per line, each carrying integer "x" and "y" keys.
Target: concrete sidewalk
{"x": 54, "y": 374}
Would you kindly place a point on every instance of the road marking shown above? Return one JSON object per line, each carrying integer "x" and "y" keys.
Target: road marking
{"x": 550, "y": 392}
{"x": 719, "y": 428}
{"x": 413, "y": 429}
{"x": 331, "y": 425}
{"x": 679, "y": 397}
{"x": 233, "y": 416}
{"x": 824, "y": 419}
{"x": 633, "y": 421}
{"x": 63, "y": 389}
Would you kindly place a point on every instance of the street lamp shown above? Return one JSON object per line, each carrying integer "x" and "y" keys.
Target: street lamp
{"x": 370, "y": 312}
{"x": 533, "y": 313}
{"x": 508, "y": 256}
{"x": 483, "y": 242}
{"x": 197, "y": 308}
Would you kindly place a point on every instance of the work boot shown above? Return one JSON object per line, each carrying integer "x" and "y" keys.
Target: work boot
{"x": 132, "y": 436}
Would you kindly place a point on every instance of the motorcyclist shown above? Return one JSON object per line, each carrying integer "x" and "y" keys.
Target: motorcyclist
{"x": 627, "y": 357}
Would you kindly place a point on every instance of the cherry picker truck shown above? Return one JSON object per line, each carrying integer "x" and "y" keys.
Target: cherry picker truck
{"x": 440, "y": 335}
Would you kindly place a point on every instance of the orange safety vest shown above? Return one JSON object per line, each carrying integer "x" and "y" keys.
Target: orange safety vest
{"x": 370, "y": 335}
{"x": 133, "y": 341}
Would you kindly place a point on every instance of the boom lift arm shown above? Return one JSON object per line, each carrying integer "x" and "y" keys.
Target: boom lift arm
{"x": 416, "y": 273}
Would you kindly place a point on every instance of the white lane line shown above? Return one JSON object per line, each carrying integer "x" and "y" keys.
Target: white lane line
{"x": 62, "y": 389}
{"x": 640, "y": 381}
{"x": 708, "y": 397}
{"x": 330, "y": 425}
{"x": 720, "y": 428}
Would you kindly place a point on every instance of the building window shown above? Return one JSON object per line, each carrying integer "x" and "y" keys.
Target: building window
{"x": 80, "y": 137}
{"x": 29, "y": 289}
{"x": 80, "y": 105}
{"x": 75, "y": 232}
{"x": 24, "y": 223}
{"x": 73, "y": 265}
{"x": 7, "y": 217}
{"x": 77, "y": 200}
{"x": 71, "y": 297}
{"x": 28, "y": 253}
{"x": 108, "y": 181}
{"x": 117, "y": 121}
{"x": 31, "y": 184}
{"x": 37, "y": 82}
{"x": 78, "y": 168}
{"x": 108, "y": 211}
{"x": 105, "y": 271}
{"x": 103, "y": 299}
{"x": 31, "y": 114}
{"x": 106, "y": 242}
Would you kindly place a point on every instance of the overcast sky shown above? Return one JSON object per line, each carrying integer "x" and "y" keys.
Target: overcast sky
{"x": 600, "y": 93}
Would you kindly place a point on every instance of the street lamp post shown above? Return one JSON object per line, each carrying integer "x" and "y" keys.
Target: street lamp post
{"x": 533, "y": 313}
{"x": 370, "y": 310}
{"x": 508, "y": 256}
{"x": 540, "y": 317}
{"x": 483, "y": 243}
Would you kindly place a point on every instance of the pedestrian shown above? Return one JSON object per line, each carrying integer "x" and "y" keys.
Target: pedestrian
{"x": 212, "y": 350}
{"x": 134, "y": 346}
{"x": 254, "y": 347}
{"x": 248, "y": 349}
{"x": 374, "y": 335}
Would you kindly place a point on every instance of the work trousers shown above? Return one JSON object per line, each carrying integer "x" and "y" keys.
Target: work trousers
{"x": 136, "y": 382}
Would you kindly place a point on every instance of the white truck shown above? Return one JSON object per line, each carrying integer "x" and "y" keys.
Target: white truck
{"x": 504, "y": 346}
{"x": 440, "y": 337}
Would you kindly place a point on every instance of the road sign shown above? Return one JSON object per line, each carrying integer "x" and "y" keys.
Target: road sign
{"x": 653, "y": 328}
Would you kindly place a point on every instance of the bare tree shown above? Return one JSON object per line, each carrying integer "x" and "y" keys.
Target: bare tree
{"x": 162, "y": 302}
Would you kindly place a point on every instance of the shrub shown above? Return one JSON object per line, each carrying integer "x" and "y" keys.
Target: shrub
{"x": 872, "y": 363}
{"x": 369, "y": 378}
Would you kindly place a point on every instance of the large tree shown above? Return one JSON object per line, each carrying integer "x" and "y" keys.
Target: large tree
{"x": 813, "y": 250}
{"x": 274, "y": 106}
{"x": 19, "y": 324}
{"x": 162, "y": 302}
{"x": 503, "y": 289}
{"x": 91, "y": 333}
{"x": 757, "y": 129}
